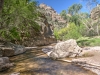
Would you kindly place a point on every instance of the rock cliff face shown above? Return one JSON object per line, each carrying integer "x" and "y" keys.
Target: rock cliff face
{"x": 95, "y": 13}
{"x": 52, "y": 16}
{"x": 43, "y": 37}
{"x": 48, "y": 20}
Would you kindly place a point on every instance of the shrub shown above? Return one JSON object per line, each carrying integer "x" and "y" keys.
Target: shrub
{"x": 87, "y": 41}
{"x": 73, "y": 32}
{"x": 70, "y": 32}
{"x": 17, "y": 17}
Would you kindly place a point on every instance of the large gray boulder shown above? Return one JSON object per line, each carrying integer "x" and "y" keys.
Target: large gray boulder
{"x": 5, "y": 63}
{"x": 67, "y": 48}
{"x": 11, "y": 49}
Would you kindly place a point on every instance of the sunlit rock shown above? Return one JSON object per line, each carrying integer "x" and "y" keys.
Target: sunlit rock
{"x": 11, "y": 49}
{"x": 67, "y": 48}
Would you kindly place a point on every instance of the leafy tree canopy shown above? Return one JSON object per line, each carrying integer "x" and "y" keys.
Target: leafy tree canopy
{"x": 17, "y": 17}
{"x": 74, "y": 9}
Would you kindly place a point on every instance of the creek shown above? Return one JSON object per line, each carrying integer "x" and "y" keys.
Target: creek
{"x": 35, "y": 62}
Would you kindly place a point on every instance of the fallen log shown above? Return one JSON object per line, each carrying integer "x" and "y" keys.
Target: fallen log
{"x": 68, "y": 61}
{"x": 28, "y": 48}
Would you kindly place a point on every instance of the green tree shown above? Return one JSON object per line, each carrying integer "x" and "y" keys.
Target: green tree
{"x": 73, "y": 31}
{"x": 90, "y": 4}
{"x": 69, "y": 32}
{"x": 63, "y": 14}
{"x": 75, "y": 19}
{"x": 1, "y": 4}
{"x": 85, "y": 15}
{"x": 74, "y": 9}
{"x": 17, "y": 17}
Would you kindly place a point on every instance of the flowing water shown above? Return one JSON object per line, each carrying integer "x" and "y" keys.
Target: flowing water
{"x": 35, "y": 62}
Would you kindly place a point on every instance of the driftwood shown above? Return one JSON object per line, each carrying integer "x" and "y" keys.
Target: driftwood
{"x": 68, "y": 61}
{"x": 28, "y": 48}
{"x": 15, "y": 73}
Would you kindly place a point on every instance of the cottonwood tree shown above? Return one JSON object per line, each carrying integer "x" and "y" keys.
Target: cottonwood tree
{"x": 89, "y": 23}
{"x": 75, "y": 8}
{"x": 90, "y": 4}
{"x": 63, "y": 14}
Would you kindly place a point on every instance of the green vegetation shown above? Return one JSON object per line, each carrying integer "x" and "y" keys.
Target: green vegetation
{"x": 88, "y": 41}
{"x": 17, "y": 17}
{"x": 71, "y": 31}
{"x": 75, "y": 28}
{"x": 75, "y": 8}
{"x": 79, "y": 25}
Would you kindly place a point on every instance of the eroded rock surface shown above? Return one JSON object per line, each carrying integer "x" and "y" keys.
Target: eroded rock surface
{"x": 5, "y": 63}
{"x": 42, "y": 34}
{"x": 11, "y": 49}
{"x": 67, "y": 48}
{"x": 90, "y": 55}
{"x": 52, "y": 16}
{"x": 95, "y": 13}
{"x": 92, "y": 62}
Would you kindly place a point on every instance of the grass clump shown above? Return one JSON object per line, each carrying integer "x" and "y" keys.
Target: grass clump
{"x": 88, "y": 41}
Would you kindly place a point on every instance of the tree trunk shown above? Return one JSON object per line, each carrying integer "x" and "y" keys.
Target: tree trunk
{"x": 1, "y": 4}
{"x": 97, "y": 30}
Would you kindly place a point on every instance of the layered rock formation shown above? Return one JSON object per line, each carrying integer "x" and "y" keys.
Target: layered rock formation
{"x": 95, "y": 20}
{"x": 48, "y": 20}
{"x": 92, "y": 61}
{"x": 43, "y": 37}
{"x": 10, "y": 49}
{"x": 95, "y": 13}
{"x": 52, "y": 16}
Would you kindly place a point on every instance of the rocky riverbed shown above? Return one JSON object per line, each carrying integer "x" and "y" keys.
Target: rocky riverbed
{"x": 93, "y": 61}
{"x": 35, "y": 62}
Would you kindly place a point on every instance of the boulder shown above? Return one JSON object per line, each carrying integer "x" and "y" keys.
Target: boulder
{"x": 11, "y": 49}
{"x": 67, "y": 48}
{"x": 52, "y": 16}
{"x": 5, "y": 63}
